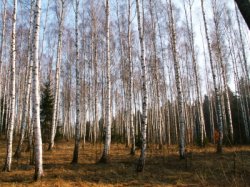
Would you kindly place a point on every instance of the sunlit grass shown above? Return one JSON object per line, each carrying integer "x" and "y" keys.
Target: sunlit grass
{"x": 203, "y": 167}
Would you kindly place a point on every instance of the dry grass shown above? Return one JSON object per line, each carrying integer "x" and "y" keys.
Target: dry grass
{"x": 163, "y": 167}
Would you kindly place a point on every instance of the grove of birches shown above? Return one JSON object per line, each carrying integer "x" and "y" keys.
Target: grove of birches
{"x": 136, "y": 72}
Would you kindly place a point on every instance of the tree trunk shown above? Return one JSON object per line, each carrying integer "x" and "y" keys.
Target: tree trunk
{"x": 36, "y": 95}
{"x": 217, "y": 96}
{"x": 156, "y": 76}
{"x": 223, "y": 70}
{"x": 7, "y": 166}
{"x": 178, "y": 86}
{"x": 3, "y": 112}
{"x": 130, "y": 64}
{"x": 77, "y": 127}
{"x": 105, "y": 154}
{"x": 26, "y": 98}
{"x": 94, "y": 43}
{"x": 141, "y": 161}
{"x": 1, "y": 61}
{"x": 57, "y": 76}
{"x": 196, "y": 73}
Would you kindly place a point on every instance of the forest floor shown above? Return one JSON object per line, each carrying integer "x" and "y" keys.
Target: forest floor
{"x": 203, "y": 167}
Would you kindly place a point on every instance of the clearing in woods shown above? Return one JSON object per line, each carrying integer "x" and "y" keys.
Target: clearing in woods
{"x": 203, "y": 167}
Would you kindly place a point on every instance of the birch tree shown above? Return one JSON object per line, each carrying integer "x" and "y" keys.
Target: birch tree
{"x": 77, "y": 124}
{"x": 38, "y": 151}
{"x": 189, "y": 21}
{"x": 8, "y": 160}
{"x": 156, "y": 75}
{"x": 217, "y": 95}
{"x": 1, "y": 59}
{"x": 107, "y": 142}
{"x": 26, "y": 98}
{"x": 60, "y": 13}
{"x": 178, "y": 84}
{"x": 141, "y": 161}
{"x": 94, "y": 38}
{"x": 130, "y": 64}
{"x": 216, "y": 19}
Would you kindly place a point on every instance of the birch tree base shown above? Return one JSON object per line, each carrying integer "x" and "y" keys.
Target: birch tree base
{"x": 18, "y": 153}
{"x": 51, "y": 146}
{"x": 104, "y": 159}
{"x": 75, "y": 155}
{"x": 132, "y": 151}
{"x": 38, "y": 175}
{"x": 6, "y": 168}
{"x": 219, "y": 148}
{"x": 140, "y": 165}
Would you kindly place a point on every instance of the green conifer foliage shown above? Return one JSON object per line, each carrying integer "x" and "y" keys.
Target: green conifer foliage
{"x": 47, "y": 101}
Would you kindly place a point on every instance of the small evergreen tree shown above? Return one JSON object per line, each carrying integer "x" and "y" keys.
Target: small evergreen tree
{"x": 47, "y": 101}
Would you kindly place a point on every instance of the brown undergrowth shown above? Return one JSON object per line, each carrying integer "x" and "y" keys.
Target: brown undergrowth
{"x": 203, "y": 167}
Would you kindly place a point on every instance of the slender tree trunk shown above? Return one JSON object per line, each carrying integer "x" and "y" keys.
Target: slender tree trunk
{"x": 224, "y": 77}
{"x": 103, "y": 109}
{"x": 44, "y": 31}
{"x": 3, "y": 112}
{"x": 210, "y": 98}
{"x": 217, "y": 96}
{"x": 84, "y": 90}
{"x": 105, "y": 154}
{"x": 7, "y": 166}
{"x": 77, "y": 126}
{"x": 1, "y": 61}
{"x": 141, "y": 161}
{"x": 30, "y": 147}
{"x": 130, "y": 87}
{"x": 36, "y": 95}
{"x": 196, "y": 73}
{"x": 165, "y": 105}
{"x": 57, "y": 76}
{"x": 156, "y": 76}
{"x": 94, "y": 38}
{"x": 26, "y": 98}
{"x": 178, "y": 85}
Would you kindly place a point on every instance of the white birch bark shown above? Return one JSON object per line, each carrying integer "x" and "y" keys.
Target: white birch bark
{"x": 84, "y": 91}
{"x": 131, "y": 118}
{"x": 165, "y": 111}
{"x": 1, "y": 60}
{"x": 141, "y": 161}
{"x": 223, "y": 70}
{"x": 178, "y": 86}
{"x": 38, "y": 151}
{"x": 156, "y": 76}
{"x": 217, "y": 96}
{"x": 4, "y": 104}
{"x": 8, "y": 160}
{"x": 77, "y": 125}
{"x": 196, "y": 73}
{"x": 106, "y": 149}
{"x": 57, "y": 76}
{"x": 26, "y": 97}
{"x": 94, "y": 38}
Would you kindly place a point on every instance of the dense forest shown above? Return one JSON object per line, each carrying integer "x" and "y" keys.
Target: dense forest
{"x": 137, "y": 73}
